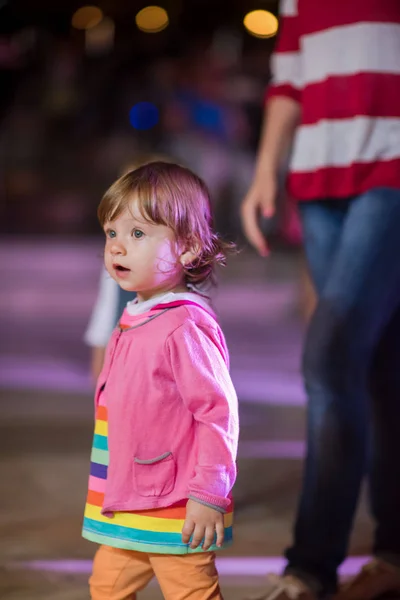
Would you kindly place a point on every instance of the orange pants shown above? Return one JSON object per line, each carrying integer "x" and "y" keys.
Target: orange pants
{"x": 119, "y": 574}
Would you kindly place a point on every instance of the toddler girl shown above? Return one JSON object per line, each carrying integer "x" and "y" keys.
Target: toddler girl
{"x": 166, "y": 430}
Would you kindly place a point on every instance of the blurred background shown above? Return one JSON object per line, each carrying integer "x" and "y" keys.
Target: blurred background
{"x": 87, "y": 91}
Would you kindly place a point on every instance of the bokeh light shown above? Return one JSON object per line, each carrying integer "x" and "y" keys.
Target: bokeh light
{"x": 143, "y": 115}
{"x": 152, "y": 19}
{"x": 261, "y": 23}
{"x": 87, "y": 17}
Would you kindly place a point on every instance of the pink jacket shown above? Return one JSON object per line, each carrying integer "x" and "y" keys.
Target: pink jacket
{"x": 172, "y": 410}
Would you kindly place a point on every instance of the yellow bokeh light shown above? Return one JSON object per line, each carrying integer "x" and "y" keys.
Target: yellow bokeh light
{"x": 261, "y": 23}
{"x": 87, "y": 17}
{"x": 152, "y": 19}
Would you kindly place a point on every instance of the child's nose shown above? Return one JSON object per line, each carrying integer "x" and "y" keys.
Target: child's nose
{"x": 117, "y": 248}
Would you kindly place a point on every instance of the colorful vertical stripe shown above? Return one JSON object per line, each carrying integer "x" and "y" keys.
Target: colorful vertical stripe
{"x": 156, "y": 530}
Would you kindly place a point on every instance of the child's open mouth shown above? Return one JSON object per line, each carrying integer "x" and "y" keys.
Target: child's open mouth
{"x": 120, "y": 269}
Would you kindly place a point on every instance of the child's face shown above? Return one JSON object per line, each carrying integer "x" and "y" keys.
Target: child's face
{"x": 142, "y": 257}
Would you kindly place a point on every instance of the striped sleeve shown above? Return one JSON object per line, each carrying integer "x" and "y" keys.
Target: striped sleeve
{"x": 286, "y": 58}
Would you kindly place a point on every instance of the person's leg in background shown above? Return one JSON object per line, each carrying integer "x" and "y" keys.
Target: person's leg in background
{"x": 384, "y": 482}
{"x": 385, "y": 472}
{"x": 187, "y": 577}
{"x": 308, "y": 296}
{"x": 358, "y": 284}
{"x": 322, "y": 223}
{"x": 119, "y": 574}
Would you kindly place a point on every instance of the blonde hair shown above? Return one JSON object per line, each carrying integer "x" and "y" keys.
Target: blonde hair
{"x": 169, "y": 194}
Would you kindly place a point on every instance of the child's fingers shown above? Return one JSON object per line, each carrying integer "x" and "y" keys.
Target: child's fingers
{"x": 220, "y": 529}
{"x": 198, "y": 536}
{"x": 209, "y": 537}
{"x": 187, "y": 530}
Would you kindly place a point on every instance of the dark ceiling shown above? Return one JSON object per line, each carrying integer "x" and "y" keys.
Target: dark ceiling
{"x": 192, "y": 15}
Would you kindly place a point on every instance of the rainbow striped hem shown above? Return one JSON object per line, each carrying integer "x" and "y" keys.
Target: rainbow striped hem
{"x": 156, "y": 531}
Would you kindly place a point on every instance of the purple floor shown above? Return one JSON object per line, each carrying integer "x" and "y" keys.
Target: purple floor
{"x": 45, "y": 303}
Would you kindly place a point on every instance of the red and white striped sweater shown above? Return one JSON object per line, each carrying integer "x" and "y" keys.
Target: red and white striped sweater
{"x": 341, "y": 60}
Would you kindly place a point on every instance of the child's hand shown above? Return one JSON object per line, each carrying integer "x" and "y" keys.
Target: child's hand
{"x": 202, "y": 521}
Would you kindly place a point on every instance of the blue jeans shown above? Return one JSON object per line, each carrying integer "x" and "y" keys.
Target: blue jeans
{"x": 351, "y": 370}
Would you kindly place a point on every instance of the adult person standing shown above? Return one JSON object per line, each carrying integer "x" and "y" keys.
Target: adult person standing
{"x": 334, "y": 100}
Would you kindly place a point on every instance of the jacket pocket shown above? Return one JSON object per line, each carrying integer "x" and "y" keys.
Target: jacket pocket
{"x": 154, "y": 476}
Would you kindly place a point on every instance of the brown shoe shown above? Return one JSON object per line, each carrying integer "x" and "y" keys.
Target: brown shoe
{"x": 285, "y": 587}
{"x": 375, "y": 579}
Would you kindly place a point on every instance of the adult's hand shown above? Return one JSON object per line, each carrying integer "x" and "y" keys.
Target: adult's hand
{"x": 259, "y": 202}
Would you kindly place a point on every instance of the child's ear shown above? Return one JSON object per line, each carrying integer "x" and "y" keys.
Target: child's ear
{"x": 190, "y": 255}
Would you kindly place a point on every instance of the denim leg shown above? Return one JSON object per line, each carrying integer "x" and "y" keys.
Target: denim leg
{"x": 359, "y": 291}
{"x": 322, "y": 223}
{"x": 384, "y": 473}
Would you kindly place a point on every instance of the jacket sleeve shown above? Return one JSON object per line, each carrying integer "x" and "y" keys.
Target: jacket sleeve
{"x": 199, "y": 363}
{"x": 286, "y": 58}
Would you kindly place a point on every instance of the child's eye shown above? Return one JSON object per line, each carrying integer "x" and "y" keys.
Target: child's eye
{"x": 137, "y": 233}
{"x": 111, "y": 233}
